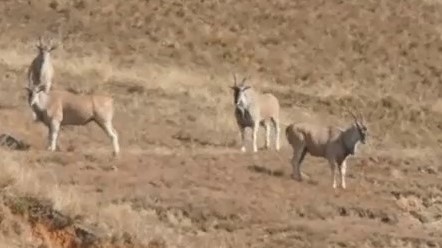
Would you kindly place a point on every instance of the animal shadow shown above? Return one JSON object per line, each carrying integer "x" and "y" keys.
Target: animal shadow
{"x": 264, "y": 170}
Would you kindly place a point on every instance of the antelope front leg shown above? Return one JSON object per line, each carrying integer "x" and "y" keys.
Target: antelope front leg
{"x": 333, "y": 172}
{"x": 112, "y": 133}
{"x": 243, "y": 139}
{"x": 54, "y": 128}
{"x": 342, "y": 171}
{"x": 254, "y": 136}
{"x": 298, "y": 156}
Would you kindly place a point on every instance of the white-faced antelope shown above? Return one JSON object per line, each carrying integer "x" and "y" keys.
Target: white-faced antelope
{"x": 59, "y": 108}
{"x": 253, "y": 109}
{"x": 41, "y": 70}
{"x": 332, "y": 143}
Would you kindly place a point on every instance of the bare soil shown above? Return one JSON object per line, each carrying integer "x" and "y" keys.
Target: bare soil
{"x": 181, "y": 180}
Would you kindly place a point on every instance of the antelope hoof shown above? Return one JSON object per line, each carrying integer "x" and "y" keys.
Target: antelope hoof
{"x": 296, "y": 177}
{"x": 243, "y": 149}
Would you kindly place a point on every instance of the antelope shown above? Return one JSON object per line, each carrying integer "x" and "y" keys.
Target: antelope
{"x": 329, "y": 142}
{"x": 41, "y": 70}
{"x": 253, "y": 109}
{"x": 59, "y": 108}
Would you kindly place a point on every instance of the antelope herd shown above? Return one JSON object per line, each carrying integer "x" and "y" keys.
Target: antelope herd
{"x": 252, "y": 109}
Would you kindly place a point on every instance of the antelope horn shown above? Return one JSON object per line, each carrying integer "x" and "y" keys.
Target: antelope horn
{"x": 352, "y": 114}
{"x": 234, "y": 79}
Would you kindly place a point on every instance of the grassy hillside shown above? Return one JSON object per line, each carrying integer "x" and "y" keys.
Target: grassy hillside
{"x": 181, "y": 181}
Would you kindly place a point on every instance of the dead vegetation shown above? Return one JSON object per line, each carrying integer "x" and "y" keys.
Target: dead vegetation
{"x": 181, "y": 182}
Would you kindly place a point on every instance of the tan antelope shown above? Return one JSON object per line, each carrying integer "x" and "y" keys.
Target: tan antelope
{"x": 253, "y": 109}
{"x": 59, "y": 108}
{"x": 332, "y": 143}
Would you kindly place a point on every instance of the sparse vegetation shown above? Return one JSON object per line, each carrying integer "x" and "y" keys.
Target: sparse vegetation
{"x": 181, "y": 182}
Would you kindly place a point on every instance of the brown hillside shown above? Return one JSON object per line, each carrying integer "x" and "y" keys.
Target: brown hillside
{"x": 181, "y": 180}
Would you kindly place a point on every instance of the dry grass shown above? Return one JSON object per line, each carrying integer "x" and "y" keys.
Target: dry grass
{"x": 20, "y": 180}
{"x": 112, "y": 221}
{"x": 168, "y": 65}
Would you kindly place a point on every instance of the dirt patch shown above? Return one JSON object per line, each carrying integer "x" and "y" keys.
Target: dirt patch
{"x": 181, "y": 179}
{"x": 50, "y": 227}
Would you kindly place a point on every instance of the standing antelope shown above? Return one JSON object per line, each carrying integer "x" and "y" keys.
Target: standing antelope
{"x": 58, "y": 108}
{"x": 253, "y": 109}
{"x": 331, "y": 143}
{"x": 41, "y": 70}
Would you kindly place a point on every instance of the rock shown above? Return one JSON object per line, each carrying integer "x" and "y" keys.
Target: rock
{"x": 10, "y": 142}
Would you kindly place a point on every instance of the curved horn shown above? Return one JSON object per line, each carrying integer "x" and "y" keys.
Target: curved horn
{"x": 234, "y": 79}
{"x": 361, "y": 116}
{"x": 40, "y": 42}
{"x": 352, "y": 114}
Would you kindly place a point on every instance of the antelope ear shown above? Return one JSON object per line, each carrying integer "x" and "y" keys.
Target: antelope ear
{"x": 53, "y": 47}
{"x": 246, "y": 87}
{"x": 234, "y": 79}
{"x": 27, "y": 89}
